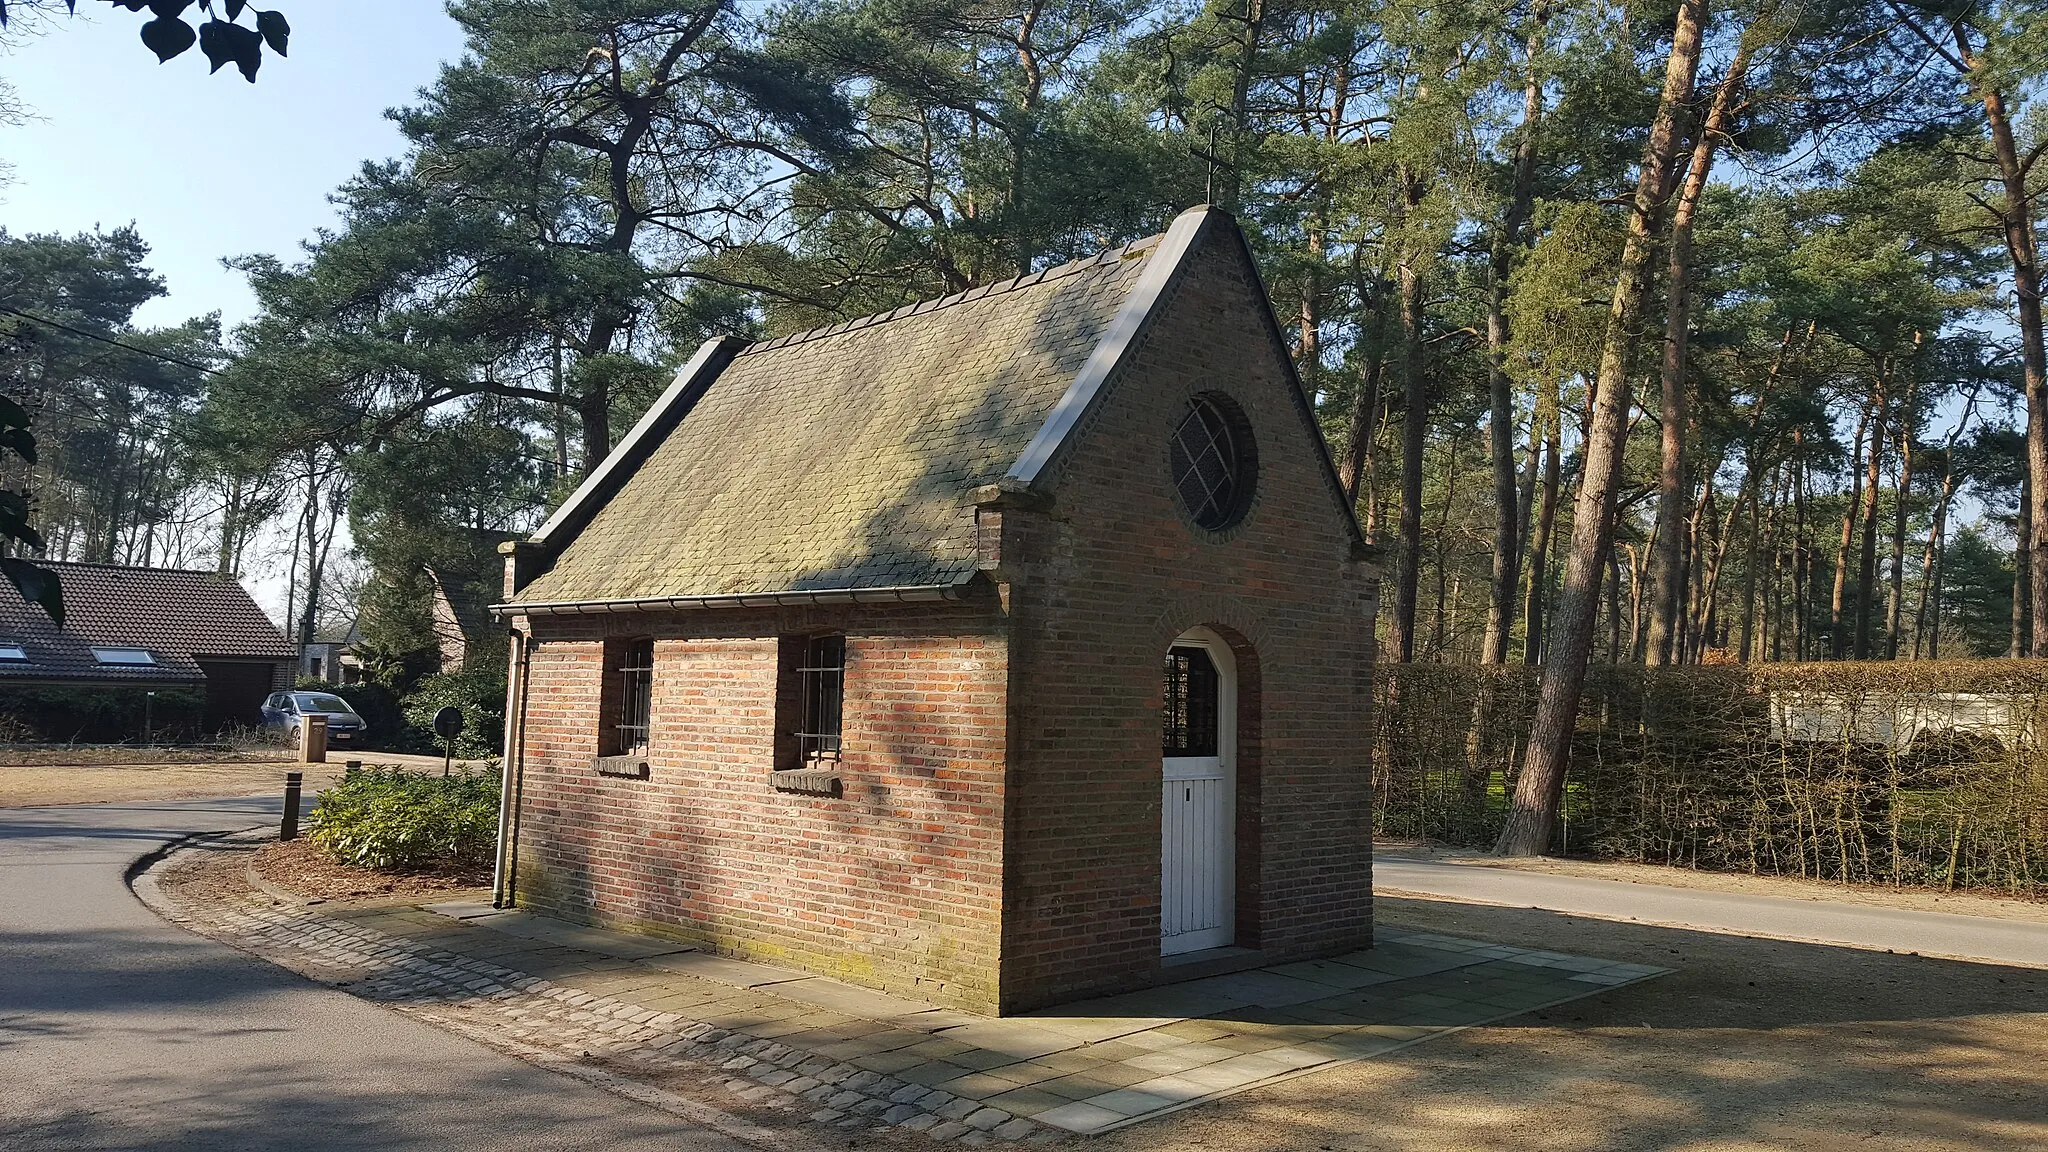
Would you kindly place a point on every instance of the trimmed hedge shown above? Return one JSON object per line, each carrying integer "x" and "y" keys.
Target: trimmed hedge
{"x": 34, "y": 713}
{"x": 398, "y": 819}
{"x": 1910, "y": 772}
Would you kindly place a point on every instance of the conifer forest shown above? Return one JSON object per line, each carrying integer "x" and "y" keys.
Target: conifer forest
{"x": 1656, "y": 333}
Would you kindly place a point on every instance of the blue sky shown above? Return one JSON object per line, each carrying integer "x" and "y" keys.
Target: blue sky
{"x": 208, "y": 166}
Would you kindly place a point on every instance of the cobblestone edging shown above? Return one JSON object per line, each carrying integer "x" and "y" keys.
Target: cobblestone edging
{"x": 533, "y": 1013}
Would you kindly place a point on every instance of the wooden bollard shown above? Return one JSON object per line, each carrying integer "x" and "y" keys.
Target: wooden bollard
{"x": 293, "y": 783}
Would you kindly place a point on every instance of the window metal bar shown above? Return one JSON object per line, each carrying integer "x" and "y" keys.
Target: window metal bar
{"x": 636, "y": 698}
{"x": 822, "y": 680}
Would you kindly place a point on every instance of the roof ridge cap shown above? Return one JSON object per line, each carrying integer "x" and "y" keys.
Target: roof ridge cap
{"x": 133, "y": 568}
{"x": 966, "y": 295}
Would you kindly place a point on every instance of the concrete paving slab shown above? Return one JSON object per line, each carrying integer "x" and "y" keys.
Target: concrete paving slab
{"x": 863, "y": 1002}
{"x": 1093, "y": 1029}
{"x": 463, "y": 909}
{"x": 741, "y": 973}
{"x": 1085, "y": 1119}
{"x": 1334, "y": 974}
{"x": 1262, "y": 988}
{"x": 1020, "y": 1041}
{"x": 601, "y": 941}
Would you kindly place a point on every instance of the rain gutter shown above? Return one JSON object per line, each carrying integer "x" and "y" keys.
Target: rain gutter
{"x": 901, "y": 594}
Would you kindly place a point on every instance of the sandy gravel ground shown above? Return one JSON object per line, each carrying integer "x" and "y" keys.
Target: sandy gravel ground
{"x": 31, "y": 779}
{"x": 2001, "y": 905}
{"x": 35, "y": 785}
{"x": 1750, "y": 1045}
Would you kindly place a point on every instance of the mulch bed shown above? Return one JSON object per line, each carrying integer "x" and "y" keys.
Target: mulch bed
{"x": 298, "y": 866}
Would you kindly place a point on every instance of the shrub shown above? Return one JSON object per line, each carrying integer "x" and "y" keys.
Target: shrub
{"x": 479, "y": 693}
{"x": 403, "y": 820}
{"x": 380, "y": 710}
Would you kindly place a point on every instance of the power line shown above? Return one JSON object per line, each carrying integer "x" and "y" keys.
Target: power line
{"x": 63, "y": 327}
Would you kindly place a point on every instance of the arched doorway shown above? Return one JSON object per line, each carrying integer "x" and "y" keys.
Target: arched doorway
{"x": 1198, "y": 798}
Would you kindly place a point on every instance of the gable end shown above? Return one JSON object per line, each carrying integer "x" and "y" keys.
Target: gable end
{"x": 1063, "y": 430}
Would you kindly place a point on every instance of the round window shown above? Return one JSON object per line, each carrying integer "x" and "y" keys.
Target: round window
{"x": 1214, "y": 463}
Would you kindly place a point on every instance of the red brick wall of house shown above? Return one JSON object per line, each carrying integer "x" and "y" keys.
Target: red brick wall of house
{"x": 896, "y": 884}
{"x": 1103, "y": 582}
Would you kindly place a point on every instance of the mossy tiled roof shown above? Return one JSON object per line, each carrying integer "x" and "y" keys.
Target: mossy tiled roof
{"x": 842, "y": 458}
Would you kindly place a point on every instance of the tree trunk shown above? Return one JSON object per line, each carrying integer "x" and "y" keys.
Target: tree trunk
{"x": 230, "y": 515}
{"x": 1838, "y": 641}
{"x": 2016, "y": 223}
{"x": 596, "y": 413}
{"x": 1758, "y": 542}
{"x": 1533, "y": 645}
{"x": 1539, "y": 788}
{"x": 1440, "y": 627}
{"x": 1365, "y": 409}
{"x": 1704, "y": 634}
{"x": 1614, "y": 654}
{"x": 1802, "y": 555}
{"x": 2022, "y": 584}
{"x": 1669, "y": 576}
{"x": 1691, "y": 608}
{"x": 1927, "y": 614}
{"x": 1507, "y": 536}
{"x": 1866, "y": 556}
{"x": 1414, "y": 441}
{"x": 1895, "y": 600}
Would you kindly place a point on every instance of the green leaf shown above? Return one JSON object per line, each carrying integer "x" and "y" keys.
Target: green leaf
{"x": 168, "y": 9}
{"x": 167, "y": 38}
{"x": 235, "y": 8}
{"x": 224, "y": 42}
{"x": 276, "y": 31}
{"x": 37, "y": 585}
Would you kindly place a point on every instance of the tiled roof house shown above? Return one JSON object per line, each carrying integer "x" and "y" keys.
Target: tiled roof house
{"x": 145, "y": 627}
{"x": 1000, "y": 650}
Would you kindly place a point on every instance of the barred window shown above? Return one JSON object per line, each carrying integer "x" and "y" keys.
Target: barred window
{"x": 821, "y": 686}
{"x": 630, "y": 678}
{"x": 1191, "y": 701}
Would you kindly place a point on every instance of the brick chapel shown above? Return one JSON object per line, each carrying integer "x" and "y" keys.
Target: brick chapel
{"x": 1001, "y": 650}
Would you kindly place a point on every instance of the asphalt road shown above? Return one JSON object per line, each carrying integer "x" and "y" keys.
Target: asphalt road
{"x": 118, "y": 1030}
{"x": 1855, "y": 925}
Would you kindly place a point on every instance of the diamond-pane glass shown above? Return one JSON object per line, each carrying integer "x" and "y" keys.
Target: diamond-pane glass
{"x": 1208, "y": 466}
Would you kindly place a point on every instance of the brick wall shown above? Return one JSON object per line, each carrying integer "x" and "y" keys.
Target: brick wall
{"x": 1103, "y": 582}
{"x": 896, "y": 884}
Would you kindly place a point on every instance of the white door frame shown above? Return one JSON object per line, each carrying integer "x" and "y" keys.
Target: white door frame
{"x": 1222, "y": 848}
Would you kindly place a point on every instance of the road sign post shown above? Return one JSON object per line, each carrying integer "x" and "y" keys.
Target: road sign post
{"x": 448, "y": 725}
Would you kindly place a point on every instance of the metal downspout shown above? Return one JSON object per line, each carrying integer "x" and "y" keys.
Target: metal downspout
{"x": 512, "y": 777}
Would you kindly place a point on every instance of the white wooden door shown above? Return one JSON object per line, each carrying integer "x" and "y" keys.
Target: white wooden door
{"x": 1198, "y": 796}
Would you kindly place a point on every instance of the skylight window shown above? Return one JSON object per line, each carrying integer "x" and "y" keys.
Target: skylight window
{"x": 130, "y": 657}
{"x": 13, "y": 652}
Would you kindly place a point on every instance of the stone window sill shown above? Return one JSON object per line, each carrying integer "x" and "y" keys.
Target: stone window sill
{"x": 629, "y": 767}
{"x": 807, "y": 781}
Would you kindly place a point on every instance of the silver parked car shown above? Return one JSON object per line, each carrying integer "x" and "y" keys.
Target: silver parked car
{"x": 287, "y": 710}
